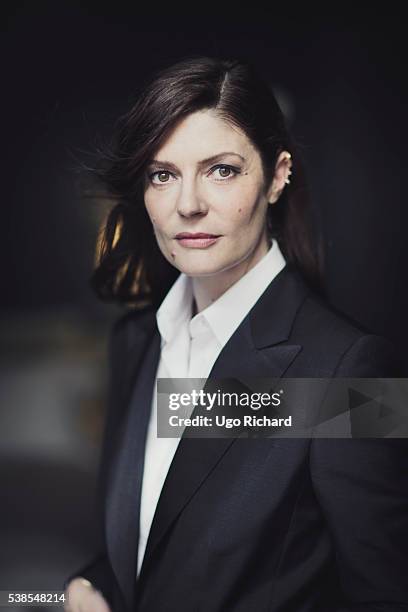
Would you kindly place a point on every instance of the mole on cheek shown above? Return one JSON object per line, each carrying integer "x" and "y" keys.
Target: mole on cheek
{"x": 239, "y": 209}
{"x": 172, "y": 254}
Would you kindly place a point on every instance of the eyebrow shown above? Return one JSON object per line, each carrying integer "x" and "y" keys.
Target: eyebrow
{"x": 203, "y": 162}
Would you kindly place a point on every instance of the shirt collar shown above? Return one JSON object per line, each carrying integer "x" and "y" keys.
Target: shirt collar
{"x": 224, "y": 315}
{"x": 175, "y": 308}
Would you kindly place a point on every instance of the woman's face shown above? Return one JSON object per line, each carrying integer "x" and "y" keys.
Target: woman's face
{"x": 206, "y": 198}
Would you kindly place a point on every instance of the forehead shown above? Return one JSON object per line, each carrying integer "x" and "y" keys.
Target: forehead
{"x": 201, "y": 135}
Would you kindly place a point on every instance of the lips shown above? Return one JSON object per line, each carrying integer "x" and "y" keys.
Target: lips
{"x": 197, "y": 240}
{"x": 195, "y": 236}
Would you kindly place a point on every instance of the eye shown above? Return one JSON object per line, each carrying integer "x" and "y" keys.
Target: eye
{"x": 160, "y": 177}
{"x": 225, "y": 172}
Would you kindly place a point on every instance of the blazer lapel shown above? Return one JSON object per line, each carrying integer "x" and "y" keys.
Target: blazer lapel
{"x": 256, "y": 350}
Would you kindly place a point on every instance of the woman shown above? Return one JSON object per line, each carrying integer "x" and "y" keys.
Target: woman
{"x": 209, "y": 185}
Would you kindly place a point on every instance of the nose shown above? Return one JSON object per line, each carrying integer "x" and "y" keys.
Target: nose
{"x": 190, "y": 201}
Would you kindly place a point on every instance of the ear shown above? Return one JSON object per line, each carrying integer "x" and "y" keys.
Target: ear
{"x": 281, "y": 177}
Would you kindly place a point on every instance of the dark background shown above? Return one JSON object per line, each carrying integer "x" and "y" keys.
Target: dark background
{"x": 69, "y": 69}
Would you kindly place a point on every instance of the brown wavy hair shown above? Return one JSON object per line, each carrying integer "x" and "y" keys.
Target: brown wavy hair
{"x": 129, "y": 265}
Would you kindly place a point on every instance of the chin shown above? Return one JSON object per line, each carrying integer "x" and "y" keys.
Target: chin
{"x": 198, "y": 269}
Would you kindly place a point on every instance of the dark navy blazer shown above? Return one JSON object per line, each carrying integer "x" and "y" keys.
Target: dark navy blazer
{"x": 255, "y": 525}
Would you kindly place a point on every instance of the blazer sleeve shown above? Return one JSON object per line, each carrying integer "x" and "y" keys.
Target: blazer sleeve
{"x": 362, "y": 487}
{"x": 98, "y": 570}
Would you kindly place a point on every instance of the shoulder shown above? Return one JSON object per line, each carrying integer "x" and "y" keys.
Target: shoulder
{"x": 341, "y": 345}
{"x": 133, "y": 317}
{"x": 129, "y": 326}
{"x": 319, "y": 320}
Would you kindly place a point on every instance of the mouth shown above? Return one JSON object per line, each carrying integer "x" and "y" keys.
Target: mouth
{"x": 197, "y": 240}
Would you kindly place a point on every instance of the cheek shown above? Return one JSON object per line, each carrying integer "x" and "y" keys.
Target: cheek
{"x": 149, "y": 209}
{"x": 246, "y": 210}
{"x": 154, "y": 211}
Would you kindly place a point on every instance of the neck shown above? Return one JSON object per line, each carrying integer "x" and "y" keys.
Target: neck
{"x": 207, "y": 289}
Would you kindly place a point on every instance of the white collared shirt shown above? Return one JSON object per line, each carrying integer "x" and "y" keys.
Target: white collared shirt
{"x": 189, "y": 349}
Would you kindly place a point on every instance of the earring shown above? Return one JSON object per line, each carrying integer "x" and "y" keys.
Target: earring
{"x": 287, "y": 180}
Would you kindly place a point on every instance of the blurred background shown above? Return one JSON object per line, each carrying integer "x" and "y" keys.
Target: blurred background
{"x": 69, "y": 69}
